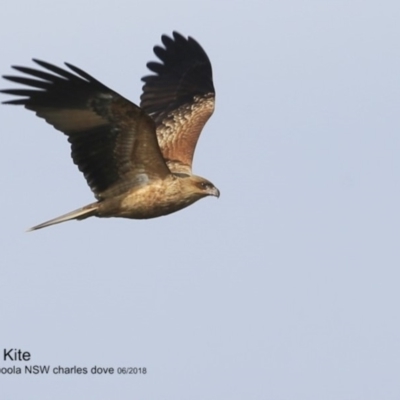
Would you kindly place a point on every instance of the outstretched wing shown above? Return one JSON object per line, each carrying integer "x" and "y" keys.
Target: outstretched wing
{"x": 113, "y": 141}
{"x": 179, "y": 97}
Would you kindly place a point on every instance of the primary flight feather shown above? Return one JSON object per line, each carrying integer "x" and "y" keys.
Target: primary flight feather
{"x": 136, "y": 160}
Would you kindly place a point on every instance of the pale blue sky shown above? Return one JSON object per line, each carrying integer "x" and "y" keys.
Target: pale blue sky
{"x": 285, "y": 288}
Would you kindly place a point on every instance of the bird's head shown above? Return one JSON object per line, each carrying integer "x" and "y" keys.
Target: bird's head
{"x": 199, "y": 187}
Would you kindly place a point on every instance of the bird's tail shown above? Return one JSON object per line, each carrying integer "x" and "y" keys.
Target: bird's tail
{"x": 82, "y": 213}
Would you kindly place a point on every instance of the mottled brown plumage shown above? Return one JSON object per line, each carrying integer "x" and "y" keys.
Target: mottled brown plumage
{"x": 136, "y": 160}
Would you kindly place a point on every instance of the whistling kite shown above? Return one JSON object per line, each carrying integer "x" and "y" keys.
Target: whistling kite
{"x": 136, "y": 160}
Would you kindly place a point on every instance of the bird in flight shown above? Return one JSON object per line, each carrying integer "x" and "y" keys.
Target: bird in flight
{"x": 136, "y": 160}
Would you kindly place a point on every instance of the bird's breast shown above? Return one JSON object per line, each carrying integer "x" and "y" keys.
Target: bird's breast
{"x": 151, "y": 201}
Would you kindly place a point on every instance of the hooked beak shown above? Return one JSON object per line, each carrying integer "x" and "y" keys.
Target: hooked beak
{"x": 214, "y": 192}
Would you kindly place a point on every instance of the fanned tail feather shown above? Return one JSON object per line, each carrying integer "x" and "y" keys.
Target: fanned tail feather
{"x": 82, "y": 213}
